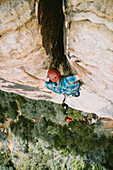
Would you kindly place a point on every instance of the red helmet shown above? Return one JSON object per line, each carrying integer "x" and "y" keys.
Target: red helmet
{"x": 54, "y": 74}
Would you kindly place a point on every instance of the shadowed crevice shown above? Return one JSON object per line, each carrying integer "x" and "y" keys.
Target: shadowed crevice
{"x": 43, "y": 97}
{"x": 18, "y": 86}
{"x": 24, "y": 88}
{"x": 51, "y": 19}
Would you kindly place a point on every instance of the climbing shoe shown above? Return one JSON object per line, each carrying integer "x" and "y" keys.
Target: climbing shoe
{"x": 76, "y": 94}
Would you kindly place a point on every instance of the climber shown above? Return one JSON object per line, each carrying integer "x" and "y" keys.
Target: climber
{"x": 68, "y": 119}
{"x": 65, "y": 84}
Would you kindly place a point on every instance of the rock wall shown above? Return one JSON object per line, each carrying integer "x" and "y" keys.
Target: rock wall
{"x": 31, "y": 35}
{"x": 90, "y": 37}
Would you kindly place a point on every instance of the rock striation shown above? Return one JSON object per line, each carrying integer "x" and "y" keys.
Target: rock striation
{"x": 38, "y": 35}
{"x": 90, "y": 37}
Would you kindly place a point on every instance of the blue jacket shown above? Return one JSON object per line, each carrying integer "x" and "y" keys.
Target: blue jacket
{"x": 68, "y": 85}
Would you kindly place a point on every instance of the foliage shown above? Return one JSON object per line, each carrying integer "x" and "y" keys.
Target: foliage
{"x": 77, "y": 138}
{"x": 45, "y": 121}
{"x": 32, "y": 109}
{"x": 6, "y": 168}
{"x": 80, "y": 164}
{"x": 8, "y": 104}
{"x": 2, "y": 117}
{"x": 77, "y": 115}
{"x": 42, "y": 157}
{"x": 109, "y": 152}
{"x": 22, "y": 128}
{"x": 3, "y": 134}
{"x": 27, "y": 163}
{"x": 4, "y": 157}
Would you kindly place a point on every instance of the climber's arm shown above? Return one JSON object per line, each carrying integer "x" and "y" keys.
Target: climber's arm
{"x": 33, "y": 77}
{"x": 80, "y": 70}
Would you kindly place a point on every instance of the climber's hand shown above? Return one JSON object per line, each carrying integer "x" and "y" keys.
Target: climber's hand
{"x": 72, "y": 59}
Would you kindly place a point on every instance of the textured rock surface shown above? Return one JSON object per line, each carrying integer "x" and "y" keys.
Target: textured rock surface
{"x": 90, "y": 37}
{"x": 31, "y": 36}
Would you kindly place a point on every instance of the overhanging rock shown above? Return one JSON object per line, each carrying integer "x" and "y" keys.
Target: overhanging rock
{"x": 31, "y": 35}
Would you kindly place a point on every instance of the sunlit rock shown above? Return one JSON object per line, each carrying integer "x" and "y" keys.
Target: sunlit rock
{"x": 31, "y": 35}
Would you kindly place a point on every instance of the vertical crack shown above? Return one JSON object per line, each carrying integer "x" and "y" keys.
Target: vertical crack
{"x": 51, "y": 19}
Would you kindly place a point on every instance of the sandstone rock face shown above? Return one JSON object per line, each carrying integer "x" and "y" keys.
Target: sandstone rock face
{"x": 31, "y": 35}
{"x": 90, "y": 38}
